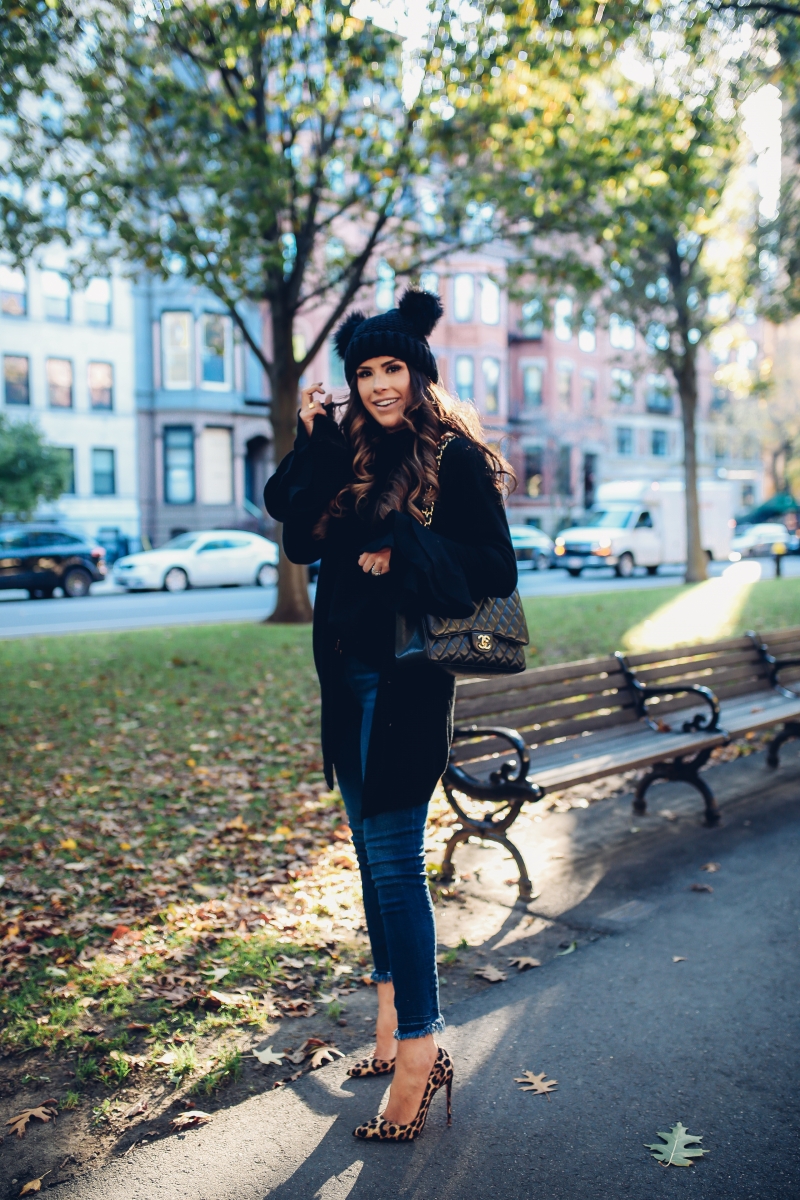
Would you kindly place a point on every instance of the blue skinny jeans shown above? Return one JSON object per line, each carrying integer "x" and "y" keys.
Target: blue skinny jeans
{"x": 390, "y": 852}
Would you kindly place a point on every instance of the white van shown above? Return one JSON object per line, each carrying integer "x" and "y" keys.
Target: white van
{"x": 635, "y": 524}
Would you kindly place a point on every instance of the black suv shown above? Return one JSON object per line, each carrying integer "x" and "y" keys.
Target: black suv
{"x": 41, "y": 558}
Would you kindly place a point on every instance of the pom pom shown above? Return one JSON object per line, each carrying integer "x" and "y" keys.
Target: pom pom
{"x": 420, "y": 310}
{"x": 344, "y": 334}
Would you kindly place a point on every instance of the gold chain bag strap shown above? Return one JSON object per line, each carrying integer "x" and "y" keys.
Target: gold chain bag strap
{"x": 490, "y": 641}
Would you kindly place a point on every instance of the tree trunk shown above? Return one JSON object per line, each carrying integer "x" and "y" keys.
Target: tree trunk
{"x": 294, "y": 606}
{"x": 696, "y": 560}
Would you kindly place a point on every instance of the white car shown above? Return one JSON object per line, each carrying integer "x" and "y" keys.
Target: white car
{"x": 756, "y": 541}
{"x": 214, "y": 558}
{"x": 531, "y": 546}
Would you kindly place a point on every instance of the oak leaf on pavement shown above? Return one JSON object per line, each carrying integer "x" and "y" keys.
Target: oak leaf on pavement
{"x": 267, "y": 1057}
{"x": 536, "y": 1083}
{"x": 492, "y": 974}
{"x": 43, "y": 1112}
{"x": 678, "y": 1149}
{"x": 324, "y": 1054}
{"x": 193, "y": 1117}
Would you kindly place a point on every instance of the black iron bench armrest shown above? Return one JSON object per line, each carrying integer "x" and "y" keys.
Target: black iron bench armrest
{"x": 776, "y": 665}
{"x": 503, "y": 782}
{"x": 642, "y": 693}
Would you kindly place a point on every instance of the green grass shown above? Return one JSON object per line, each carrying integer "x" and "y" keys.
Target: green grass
{"x": 166, "y": 829}
{"x": 164, "y": 817}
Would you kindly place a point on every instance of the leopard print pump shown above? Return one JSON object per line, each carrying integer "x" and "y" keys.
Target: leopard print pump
{"x": 366, "y": 1067}
{"x": 385, "y": 1131}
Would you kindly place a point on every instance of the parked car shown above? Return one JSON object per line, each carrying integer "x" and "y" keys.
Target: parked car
{"x": 532, "y": 546}
{"x": 211, "y": 558}
{"x": 757, "y": 541}
{"x": 41, "y": 558}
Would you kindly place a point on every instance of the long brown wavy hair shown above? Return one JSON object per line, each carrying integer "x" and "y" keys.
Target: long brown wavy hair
{"x": 430, "y": 413}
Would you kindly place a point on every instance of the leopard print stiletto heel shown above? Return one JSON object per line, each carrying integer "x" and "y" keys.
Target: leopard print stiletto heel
{"x": 367, "y": 1067}
{"x": 386, "y": 1131}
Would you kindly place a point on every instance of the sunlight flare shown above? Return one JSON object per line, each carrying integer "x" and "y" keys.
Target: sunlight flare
{"x": 705, "y": 613}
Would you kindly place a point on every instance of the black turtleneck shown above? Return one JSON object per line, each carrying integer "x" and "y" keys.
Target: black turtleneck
{"x": 363, "y": 605}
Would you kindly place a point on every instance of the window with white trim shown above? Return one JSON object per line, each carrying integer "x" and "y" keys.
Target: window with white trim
{"x": 216, "y": 352}
{"x": 176, "y": 351}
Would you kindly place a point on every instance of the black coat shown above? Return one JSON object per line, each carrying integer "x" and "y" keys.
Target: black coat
{"x": 465, "y": 555}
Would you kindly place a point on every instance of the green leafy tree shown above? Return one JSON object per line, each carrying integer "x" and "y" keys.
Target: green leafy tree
{"x": 34, "y": 35}
{"x": 30, "y": 469}
{"x": 634, "y": 178}
{"x": 264, "y": 150}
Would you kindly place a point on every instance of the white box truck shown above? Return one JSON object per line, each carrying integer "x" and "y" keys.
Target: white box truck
{"x": 638, "y": 524}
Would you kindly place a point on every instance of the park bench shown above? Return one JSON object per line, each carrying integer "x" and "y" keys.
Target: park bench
{"x": 550, "y": 728}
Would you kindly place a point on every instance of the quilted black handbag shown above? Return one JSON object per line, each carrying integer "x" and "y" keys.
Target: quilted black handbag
{"x": 491, "y": 641}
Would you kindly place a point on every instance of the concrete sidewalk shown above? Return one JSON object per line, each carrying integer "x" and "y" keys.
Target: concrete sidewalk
{"x": 636, "y": 1041}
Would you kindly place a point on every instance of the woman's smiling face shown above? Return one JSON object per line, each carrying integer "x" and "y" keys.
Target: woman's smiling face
{"x": 384, "y": 386}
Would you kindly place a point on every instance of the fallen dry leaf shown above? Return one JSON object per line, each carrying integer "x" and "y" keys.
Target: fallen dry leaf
{"x": 570, "y": 949}
{"x": 298, "y": 1008}
{"x": 537, "y": 1083}
{"x": 219, "y": 973}
{"x": 324, "y": 1054}
{"x": 678, "y": 1149}
{"x": 524, "y": 964}
{"x": 193, "y": 1117}
{"x": 678, "y": 958}
{"x": 668, "y": 814}
{"x": 701, "y": 887}
{"x": 139, "y": 1107}
{"x": 43, "y": 1112}
{"x": 710, "y": 867}
{"x": 34, "y": 1185}
{"x": 492, "y": 974}
{"x": 268, "y": 1057}
{"x": 166, "y": 1059}
{"x": 232, "y": 999}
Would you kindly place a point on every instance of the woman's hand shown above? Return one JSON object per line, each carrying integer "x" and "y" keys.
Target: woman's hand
{"x": 310, "y": 406}
{"x": 375, "y": 562}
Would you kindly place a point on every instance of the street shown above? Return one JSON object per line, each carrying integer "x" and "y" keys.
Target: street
{"x": 110, "y": 608}
{"x": 679, "y": 1004}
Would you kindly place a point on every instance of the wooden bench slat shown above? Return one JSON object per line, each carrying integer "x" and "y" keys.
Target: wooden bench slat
{"x": 463, "y": 752}
{"x": 739, "y": 717}
{"x": 715, "y": 679}
{"x": 583, "y": 759}
{"x": 779, "y": 636}
{"x": 712, "y": 662}
{"x": 547, "y": 713}
{"x": 533, "y": 697}
{"x": 742, "y": 687}
{"x": 534, "y": 676}
{"x": 680, "y": 652}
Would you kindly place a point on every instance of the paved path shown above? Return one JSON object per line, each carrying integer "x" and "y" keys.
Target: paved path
{"x": 110, "y": 608}
{"x": 636, "y": 1041}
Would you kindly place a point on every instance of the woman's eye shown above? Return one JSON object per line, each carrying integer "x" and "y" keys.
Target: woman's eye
{"x": 391, "y": 370}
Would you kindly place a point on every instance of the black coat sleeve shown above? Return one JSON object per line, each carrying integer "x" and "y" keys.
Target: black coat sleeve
{"x": 304, "y": 484}
{"x": 467, "y": 554}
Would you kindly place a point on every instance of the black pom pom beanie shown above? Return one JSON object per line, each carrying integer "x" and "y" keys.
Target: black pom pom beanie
{"x": 402, "y": 332}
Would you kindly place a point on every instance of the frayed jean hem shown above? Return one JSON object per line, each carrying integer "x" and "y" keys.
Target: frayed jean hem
{"x": 436, "y": 1026}
{"x": 381, "y": 976}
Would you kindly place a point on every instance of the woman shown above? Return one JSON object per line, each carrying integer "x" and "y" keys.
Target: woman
{"x": 402, "y": 504}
